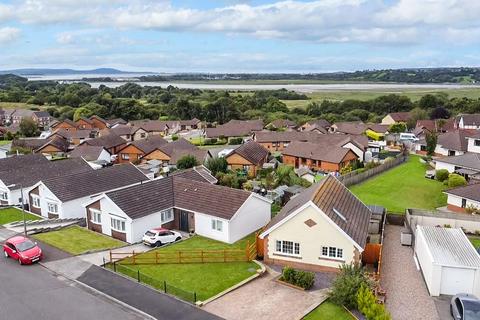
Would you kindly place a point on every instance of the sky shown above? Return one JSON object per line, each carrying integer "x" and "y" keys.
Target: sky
{"x": 239, "y": 36}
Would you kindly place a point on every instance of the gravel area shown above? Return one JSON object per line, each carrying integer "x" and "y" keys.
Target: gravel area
{"x": 407, "y": 295}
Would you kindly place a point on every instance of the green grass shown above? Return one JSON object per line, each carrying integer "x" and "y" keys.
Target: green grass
{"x": 205, "y": 279}
{"x": 402, "y": 187}
{"x": 4, "y": 142}
{"x": 327, "y": 311}
{"x": 12, "y": 214}
{"x": 475, "y": 241}
{"x": 77, "y": 240}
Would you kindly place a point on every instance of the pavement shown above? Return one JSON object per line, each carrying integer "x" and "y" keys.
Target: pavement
{"x": 442, "y": 303}
{"x": 407, "y": 295}
{"x": 99, "y": 258}
{"x": 264, "y": 298}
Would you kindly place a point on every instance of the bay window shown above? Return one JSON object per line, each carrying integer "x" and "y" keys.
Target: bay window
{"x": 117, "y": 225}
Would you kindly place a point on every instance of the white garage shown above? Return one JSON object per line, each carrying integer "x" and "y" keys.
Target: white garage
{"x": 449, "y": 262}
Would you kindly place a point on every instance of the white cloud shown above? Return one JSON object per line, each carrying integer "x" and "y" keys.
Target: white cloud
{"x": 9, "y": 34}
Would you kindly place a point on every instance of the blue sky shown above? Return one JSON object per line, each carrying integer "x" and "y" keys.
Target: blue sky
{"x": 239, "y": 36}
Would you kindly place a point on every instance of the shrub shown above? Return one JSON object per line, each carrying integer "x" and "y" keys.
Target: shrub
{"x": 299, "y": 278}
{"x": 187, "y": 162}
{"x": 371, "y": 165}
{"x": 174, "y": 137}
{"x": 441, "y": 175}
{"x": 346, "y": 170}
{"x": 456, "y": 180}
{"x": 211, "y": 141}
{"x": 447, "y": 226}
{"x": 346, "y": 285}
{"x": 473, "y": 210}
{"x": 368, "y": 305}
{"x": 233, "y": 141}
{"x": 216, "y": 165}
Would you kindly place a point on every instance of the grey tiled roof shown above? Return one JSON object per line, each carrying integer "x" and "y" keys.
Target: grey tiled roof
{"x": 89, "y": 153}
{"x": 467, "y": 160}
{"x": 471, "y": 192}
{"x": 252, "y": 151}
{"x": 73, "y": 186}
{"x": 332, "y": 198}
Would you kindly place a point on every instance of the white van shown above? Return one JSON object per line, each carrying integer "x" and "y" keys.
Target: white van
{"x": 405, "y": 136}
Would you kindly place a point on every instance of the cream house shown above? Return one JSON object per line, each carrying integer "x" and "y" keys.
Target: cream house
{"x": 319, "y": 230}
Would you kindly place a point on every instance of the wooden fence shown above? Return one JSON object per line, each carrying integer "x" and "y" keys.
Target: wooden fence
{"x": 185, "y": 256}
{"x": 352, "y": 178}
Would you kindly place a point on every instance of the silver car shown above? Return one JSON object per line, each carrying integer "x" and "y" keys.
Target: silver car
{"x": 465, "y": 307}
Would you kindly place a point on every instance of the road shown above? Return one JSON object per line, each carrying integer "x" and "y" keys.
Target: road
{"x": 33, "y": 292}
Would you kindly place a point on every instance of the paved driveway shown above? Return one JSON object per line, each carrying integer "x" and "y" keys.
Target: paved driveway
{"x": 263, "y": 298}
{"x": 407, "y": 295}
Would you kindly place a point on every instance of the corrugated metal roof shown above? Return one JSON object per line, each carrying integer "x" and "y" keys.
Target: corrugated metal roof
{"x": 450, "y": 246}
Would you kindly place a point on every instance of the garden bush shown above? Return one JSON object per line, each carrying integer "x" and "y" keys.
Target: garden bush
{"x": 346, "y": 285}
{"x": 456, "y": 180}
{"x": 441, "y": 175}
{"x": 233, "y": 141}
{"x": 174, "y": 137}
{"x": 368, "y": 305}
{"x": 298, "y": 278}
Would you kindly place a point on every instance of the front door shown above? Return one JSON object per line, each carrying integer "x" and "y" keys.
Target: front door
{"x": 184, "y": 221}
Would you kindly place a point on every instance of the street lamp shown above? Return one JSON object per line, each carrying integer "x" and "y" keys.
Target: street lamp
{"x": 23, "y": 207}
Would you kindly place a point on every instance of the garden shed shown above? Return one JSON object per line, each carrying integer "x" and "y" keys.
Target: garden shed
{"x": 448, "y": 261}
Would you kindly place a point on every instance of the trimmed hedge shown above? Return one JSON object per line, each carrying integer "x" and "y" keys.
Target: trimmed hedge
{"x": 441, "y": 175}
{"x": 233, "y": 141}
{"x": 298, "y": 278}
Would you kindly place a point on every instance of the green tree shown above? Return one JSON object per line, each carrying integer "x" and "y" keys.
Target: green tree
{"x": 28, "y": 128}
{"x": 81, "y": 113}
{"x": 431, "y": 140}
{"x": 346, "y": 285}
{"x": 398, "y": 127}
{"x": 187, "y": 162}
{"x": 216, "y": 165}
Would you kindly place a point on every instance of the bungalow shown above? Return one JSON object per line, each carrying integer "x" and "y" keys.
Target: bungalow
{"x": 171, "y": 152}
{"x": 135, "y": 150}
{"x": 249, "y": 157}
{"x": 62, "y": 196}
{"x": 321, "y": 157}
{"x": 111, "y": 123}
{"x": 66, "y": 124}
{"x": 111, "y": 142}
{"x": 151, "y": 127}
{"x": 186, "y": 125}
{"x": 84, "y": 123}
{"x": 30, "y": 144}
{"x": 458, "y": 199}
{"x": 396, "y": 117}
{"x": 352, "y": 127}
{"x": 320, "y": 229}
{"x": 212, "y": 211}
{"x": 235, "y": 129}
{"x": 278, "y": 140}
{"x": 468, "y": 121}
{"x": 75, "y": 137}
{"x": 452, "y": 143}
{"x": 467, "y": 165}
{"x": 21, "y": 172}
{"x": 91, "y": 153}
{"x": 55, "y": 147}
{"x": 473, "y": 141}
{"x": 320, "y": 125}
{"x": 98, "y": 122}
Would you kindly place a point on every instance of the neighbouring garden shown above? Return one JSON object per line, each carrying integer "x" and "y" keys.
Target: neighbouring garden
{"x": 403, "y": 187}
{"x": 475, "y": 240}
{"x": 203, "y": 279}
{"x": 328, "y": 310}
{"x": 9, "y": 215}
{"x": 77, "y": 240}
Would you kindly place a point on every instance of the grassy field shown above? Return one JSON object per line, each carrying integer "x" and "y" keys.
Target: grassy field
{"x": 414, "y": 94}
{"x": 206, "y": 279}
{"x": 18, "y": 105}
{"x": 327, "y": 311}
{"x": 475, "y": 241}
{"x": 77, "y": 240}
{"x": 12, "y": 214}
{"x": 402, "y": 187}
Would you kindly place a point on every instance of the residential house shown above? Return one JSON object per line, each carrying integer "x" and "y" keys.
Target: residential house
{"x": 349, "y": 127}
{"x": 127, "y": 132}
{"x": 75, "y": 137}
{"x": 30, "y": 144}
{"x": 187, "y": 125}
{"x": 473, "y": 141}
{"x": 249, "y": 157}
{"x": 235, "y": 129}
{"x": 151, "y": 127}
{"x": 66, "y": 124}
{"x": 281, "y": 124}
{"x": 458, "y": 199}
{"x": 171, "y": 152}
{"x": 55, "y": 147}
{"x": 15, "y": 116}
{"x": 467, "y": 165}
{"x": 319, "y": 157}
{"x": 319, "y": 125}
{"x": 452, "y": 143}
{"x": 84, "y": 123}
{"x": 396, "y": 117}
{"x": 98, "y": 122}
{"x": 279, "y": 140}
{"x": 42, "y": 119}
{"x": 320, "y": 229}
{"x": 175, "y": 202}
{"x": 135, "y": 150}
{"x": 111, "y": 142}
{"x": 22, "y": 172}
{"x": 63, "y": 196}
{"x": 468, "y": 121}
{"x": 111, "y": 123}
{"x": 96, "y": 154}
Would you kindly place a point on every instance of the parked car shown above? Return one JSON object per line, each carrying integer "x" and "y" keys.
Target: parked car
{"x": 465, "y": 307}
{"x": 159, "y": 236}
{"x": 430, "y": 174}
{"x": 22, "y": 249}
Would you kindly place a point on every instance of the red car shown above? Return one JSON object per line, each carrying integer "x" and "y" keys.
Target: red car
{"x": 22, "y": 249}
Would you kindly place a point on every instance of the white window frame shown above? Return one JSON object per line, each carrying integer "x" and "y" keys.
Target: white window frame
{"x": 166, "y": 216}
{"x": 332, "y": 253}
{"x": 35, "y": 201}
{"x": 51, "y": 205}
{"x": 125, "y": 156}
{"x": 217, "y": 225}
{"x": 117, "y": 224}
{"x": 4, "y": 195}
{"x": 96, "y": 216}
{"x": 283, "y": 247}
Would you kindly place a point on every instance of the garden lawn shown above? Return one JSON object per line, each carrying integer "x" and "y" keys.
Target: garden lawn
{"x": 4, "y": 142}
{"x": 77, "y": 240}
{"x": 475, "y": 241}
{"x": 328, "y": 310}
{"x": 402, "y": 187}
{"x": 13, "y": 214}
{"x": 205, "y": 279}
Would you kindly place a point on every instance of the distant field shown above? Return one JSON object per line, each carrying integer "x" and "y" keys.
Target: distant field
{"x": 414, "y": 94}
{"x": 18, "y": 105}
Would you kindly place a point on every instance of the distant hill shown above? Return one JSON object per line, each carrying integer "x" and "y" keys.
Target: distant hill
{"x": 50, "y": 72}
